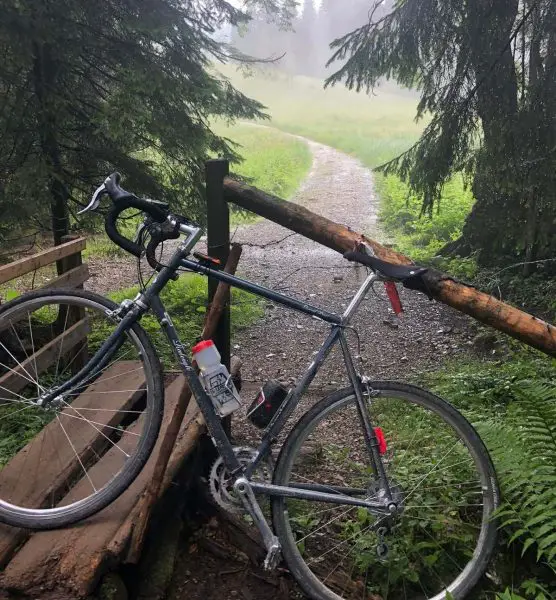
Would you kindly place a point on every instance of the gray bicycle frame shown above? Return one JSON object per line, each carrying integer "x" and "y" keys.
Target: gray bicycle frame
{"x": 149, "y": 299}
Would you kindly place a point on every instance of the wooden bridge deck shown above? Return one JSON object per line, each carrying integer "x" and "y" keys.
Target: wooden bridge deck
{"x": 67, "y": 563}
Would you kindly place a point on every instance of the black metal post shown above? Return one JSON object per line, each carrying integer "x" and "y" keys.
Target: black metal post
{"x": 218, "y": 243}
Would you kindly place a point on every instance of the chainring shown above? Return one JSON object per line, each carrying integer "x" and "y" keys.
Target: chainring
{"x": 221, "y": 487}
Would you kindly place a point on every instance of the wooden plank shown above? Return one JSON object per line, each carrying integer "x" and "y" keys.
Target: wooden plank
{"x": 41, "y": 259}
{"x": 16, "y": 379}
{"x": 49, "y": 466}
{"x": 69, "y": 562}
{"x": 73, "y": 278}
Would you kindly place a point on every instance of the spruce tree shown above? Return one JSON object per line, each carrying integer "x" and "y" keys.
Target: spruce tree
{"x": 486, "y": 72}
{"x": 87, "y": 89}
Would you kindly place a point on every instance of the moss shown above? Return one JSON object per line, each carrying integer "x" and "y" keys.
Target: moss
{"x": 112, "y": 587}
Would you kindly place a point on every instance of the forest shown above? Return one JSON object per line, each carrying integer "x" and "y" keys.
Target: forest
{"x": 442, "y": 115}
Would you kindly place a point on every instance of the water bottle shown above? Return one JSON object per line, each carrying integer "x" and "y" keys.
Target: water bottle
{"x": 216, "y": 378}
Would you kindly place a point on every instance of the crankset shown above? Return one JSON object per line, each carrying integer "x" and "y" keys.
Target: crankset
{"x": 221, "y": 485}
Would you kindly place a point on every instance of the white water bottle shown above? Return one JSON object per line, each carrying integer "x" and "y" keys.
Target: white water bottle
{"x": 216, "y": 378}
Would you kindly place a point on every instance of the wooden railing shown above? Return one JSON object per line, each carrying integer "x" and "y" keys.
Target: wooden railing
{"x": 72, "y": 273}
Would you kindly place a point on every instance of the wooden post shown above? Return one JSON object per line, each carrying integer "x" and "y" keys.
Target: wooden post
{"x": 143, "y": 510}
{"x": 218, "y": 245}
{"x": 75, "y": 314}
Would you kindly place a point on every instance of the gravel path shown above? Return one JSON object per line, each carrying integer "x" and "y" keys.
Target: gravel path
{"x": 282, "y": 344}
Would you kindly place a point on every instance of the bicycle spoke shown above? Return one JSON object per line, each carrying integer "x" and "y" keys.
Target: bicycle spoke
{"x": 27, "y": 357}
{"x": 326, "y": 524}
{"x": 92, "y": 423}
{"x": 77, "y": 455}
{"x": 112, "y": 392}
{"x": 61, "y": 454}
{"x": 62, "y": 342}
{"x": 9, "y": 369}
{"x": 113, "y": 410}
{"x": 12, "y": 392}
{"x": 34, "y": 353}
{"x": 15, "y": 412}
{"x": 432, "y": 477}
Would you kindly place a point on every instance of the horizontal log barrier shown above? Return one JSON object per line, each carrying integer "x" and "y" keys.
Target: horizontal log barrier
{"x": 442, "y": 287}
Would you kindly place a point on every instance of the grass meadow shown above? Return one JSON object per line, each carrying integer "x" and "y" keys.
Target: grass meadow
{"x": 372, "y": 127}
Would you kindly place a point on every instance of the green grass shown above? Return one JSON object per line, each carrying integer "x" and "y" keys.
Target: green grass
{"x": 372, "y": 128}
{"x": 272, "y": 161}
{"x": 186, "y": 302}
{"x": 422, "y": 236}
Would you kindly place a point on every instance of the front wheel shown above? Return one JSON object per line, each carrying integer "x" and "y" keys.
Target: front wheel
{"x": 65, "y": 460}
{"x": 441, "y": 477}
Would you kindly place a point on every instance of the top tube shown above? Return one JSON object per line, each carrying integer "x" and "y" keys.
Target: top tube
{"x": 262, "y": 291}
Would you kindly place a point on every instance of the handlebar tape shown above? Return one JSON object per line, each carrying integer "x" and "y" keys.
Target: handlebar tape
{"x": 163, "y": 233}
{"x": 113, "y": 233}
{"x": 122, "y": 201}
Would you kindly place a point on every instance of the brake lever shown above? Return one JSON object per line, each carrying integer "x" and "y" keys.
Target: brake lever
{"x": 144, "y": 224}
{"x": 95, "y": 200}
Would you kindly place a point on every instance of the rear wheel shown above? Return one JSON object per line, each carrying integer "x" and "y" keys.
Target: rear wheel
{"x": 441, "y": 478}
{"x": 64, "y": 461}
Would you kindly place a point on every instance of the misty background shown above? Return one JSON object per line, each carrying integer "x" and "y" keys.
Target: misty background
{"x": 303, "y": 48}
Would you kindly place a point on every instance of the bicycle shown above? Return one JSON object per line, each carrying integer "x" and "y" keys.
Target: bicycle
{"x": 381, "y": 489}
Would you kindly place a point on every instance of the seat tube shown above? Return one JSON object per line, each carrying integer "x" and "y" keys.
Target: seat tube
{"x": 358, "y": 298}
{"x": 368, "y": 431}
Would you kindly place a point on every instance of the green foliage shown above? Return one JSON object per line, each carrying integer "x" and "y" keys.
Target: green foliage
{"x": 531, "y": 590}
{"x": 490, "y": 385}
{"x": 512, "y": 403}
{"x": 523, "y": 447}
{"x": 270, "y": 160}
{"x": 492, "y": 106}
{"x": 419, "y": 235}
{"x": 186, "y": 302}
{"x": 86, "y": 91}
{"x": 536, "y": 293}
{"x": 17, "y": 428}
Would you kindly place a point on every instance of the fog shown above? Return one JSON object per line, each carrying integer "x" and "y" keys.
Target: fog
{"x": 303, "y": 49}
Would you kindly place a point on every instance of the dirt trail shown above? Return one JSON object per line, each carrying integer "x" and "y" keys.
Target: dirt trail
{"x": 282, "y": 344}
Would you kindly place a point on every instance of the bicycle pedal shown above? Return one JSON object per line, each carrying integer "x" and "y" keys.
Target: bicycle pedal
{"x": 273, "y": 556}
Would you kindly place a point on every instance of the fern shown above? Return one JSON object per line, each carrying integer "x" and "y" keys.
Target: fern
{"x": 523, "y": 447}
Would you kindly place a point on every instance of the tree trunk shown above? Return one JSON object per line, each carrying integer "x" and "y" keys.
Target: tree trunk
{"x": 492, "y": 225}
{"x": 45, "y": 73}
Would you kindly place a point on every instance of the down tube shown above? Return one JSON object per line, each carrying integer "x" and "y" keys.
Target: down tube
{"x": 213, "y": 422}
{"x": 285, "y": 411}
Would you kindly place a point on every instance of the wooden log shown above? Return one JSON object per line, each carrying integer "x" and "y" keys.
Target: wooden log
{"x": 152, "y": 493}
{"x": 48, "y": 467}
{"x": 68, "y": 563}
{"x": 463, "y": 297}
{"x": 41, "y": 259}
